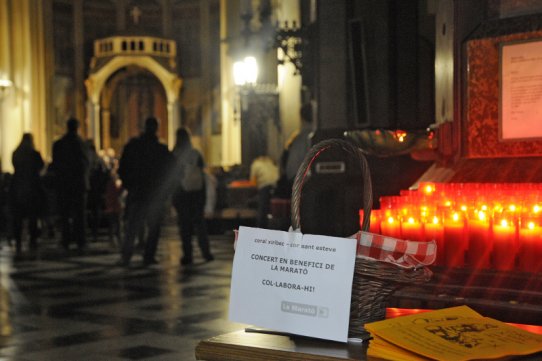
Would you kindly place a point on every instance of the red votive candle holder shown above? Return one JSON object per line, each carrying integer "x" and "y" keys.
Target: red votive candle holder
{"x": 434, "y": 231}
{"x": 479, "y": 240}
{"x": 374, "y": 220}
{"x": 455, "y": 240}
{"x": 427, "y": 188}
{"x": 390, "y": 226}
{"x": 504, "y": 244}
{"x": 412, "y": 229}
{"x": 530, "y": 245}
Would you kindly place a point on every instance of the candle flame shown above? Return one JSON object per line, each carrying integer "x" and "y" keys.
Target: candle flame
{"x": 391, "y": 220}
{"x": 463, "y": 208}
{"x": 536, "y": 208}
{"x": 504, "y": 223}
{"x": 512, "y": 207}
{"x": 482, "y": 216}
{"x": 435, "y": 220}
{"x": 530, "y": 225}
{"x": 483, "y": 207}
{"x": 410, "y": 220}
{"x": 428, "y": 189}
{"x": 455, "y": 217}
{"x": 400, "y": 135}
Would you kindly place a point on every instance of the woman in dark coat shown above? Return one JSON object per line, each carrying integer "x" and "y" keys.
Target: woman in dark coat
{"x": 25, "y": 194}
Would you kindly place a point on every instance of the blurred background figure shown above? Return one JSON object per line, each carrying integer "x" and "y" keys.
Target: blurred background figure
{"x": 264, "y": 173}
{"x": 113, "y": 206}
{"x": 211, "y": 184}
{"x": 70, "y": 166}
{"x": 143, "y": 170}
{"x": 49, "y": 218}
{"x": 114, "y": 196}
{"x": 189, "y": 196}
{"x": 26, "y": 196}
{"x": 99, "y": 176}
{"x": 5, "y": 227}
{"x": 296, "y": 147}
{"x": 109, "y": 158}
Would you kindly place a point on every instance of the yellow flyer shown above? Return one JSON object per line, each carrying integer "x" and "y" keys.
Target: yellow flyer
{"x": 445, "y": 314}
{"x": 460, "y": 339}
{"x": 382, "y": 349}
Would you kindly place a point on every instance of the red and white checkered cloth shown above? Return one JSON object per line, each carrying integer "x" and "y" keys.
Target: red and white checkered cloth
{"x": 397, "y": 251}
{"x": 403, "y": 253}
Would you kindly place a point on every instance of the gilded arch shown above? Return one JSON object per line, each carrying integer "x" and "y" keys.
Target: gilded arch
{"x": 96, "y": 81}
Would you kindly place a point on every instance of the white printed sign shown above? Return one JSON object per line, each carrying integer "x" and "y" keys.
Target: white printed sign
{"x": 521, "y": 90}
{"x": 294, "y": 283}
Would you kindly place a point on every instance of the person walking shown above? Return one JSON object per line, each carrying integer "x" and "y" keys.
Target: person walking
{"x": 26, "y": 194}
{"x": 189, "y": 196}
{"x": 143, "y": 170}
{"x": 70, "y": 166}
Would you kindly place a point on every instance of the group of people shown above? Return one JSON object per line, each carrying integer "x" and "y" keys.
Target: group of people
{"x": 150, "y": 174}
{"x": 152, "y": 178}
{"x": 153, "y": 175}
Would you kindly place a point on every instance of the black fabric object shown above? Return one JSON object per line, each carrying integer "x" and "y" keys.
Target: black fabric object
{"x": 332, "y": 195}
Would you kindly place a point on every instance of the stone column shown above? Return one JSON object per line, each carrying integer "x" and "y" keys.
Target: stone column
{"x": 5, "y": 66}
{"x": 205, "y": 88}
{"x": 22, "y": 60}
{"x": 106, "y": 126}
{"x": 93, "y": 111}
{"x": 231, "y": 129}
{"x": 79, "y": 66}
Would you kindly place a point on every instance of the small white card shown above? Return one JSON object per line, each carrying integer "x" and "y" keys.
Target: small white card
{"x": 294, "y": 283}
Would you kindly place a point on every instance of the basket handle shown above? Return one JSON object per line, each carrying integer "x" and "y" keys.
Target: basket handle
{"x": 305, "y": 166}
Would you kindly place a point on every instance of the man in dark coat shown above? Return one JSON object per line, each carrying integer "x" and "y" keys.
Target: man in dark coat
{"x": 71, "y": 168}
{"x": 143, "y": 170}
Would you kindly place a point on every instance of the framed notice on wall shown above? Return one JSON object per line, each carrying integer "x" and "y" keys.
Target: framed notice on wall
{"x": 520, "y": 108}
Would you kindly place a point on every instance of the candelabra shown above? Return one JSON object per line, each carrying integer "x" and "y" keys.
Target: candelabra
{"x": 291, "y": 40}
{"x": 288, "y": 36}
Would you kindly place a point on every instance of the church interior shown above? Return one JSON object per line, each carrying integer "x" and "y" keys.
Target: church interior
{"x": 428, "y": 91}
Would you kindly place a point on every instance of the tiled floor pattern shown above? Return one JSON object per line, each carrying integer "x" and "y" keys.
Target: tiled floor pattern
{"x": 68, "y": 306}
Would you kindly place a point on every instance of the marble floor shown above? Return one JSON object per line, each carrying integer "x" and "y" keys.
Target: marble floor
{"x": 56, "y": 305}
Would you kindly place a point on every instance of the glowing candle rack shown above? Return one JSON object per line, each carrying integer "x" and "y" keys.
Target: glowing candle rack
{"x": 478, "y": 225}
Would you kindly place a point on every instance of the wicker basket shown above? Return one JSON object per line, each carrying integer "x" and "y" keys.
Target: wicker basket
{"x": 374, "y": 281}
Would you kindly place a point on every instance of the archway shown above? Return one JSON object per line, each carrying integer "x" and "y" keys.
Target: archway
{"x": 129, "y": 96}
{"x": 97, "y": 81}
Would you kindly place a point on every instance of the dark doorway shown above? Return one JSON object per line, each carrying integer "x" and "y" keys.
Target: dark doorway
{"x": 131, "y": 95}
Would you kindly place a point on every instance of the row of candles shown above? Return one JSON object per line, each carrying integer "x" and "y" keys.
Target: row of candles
{"x": 477, "y": 225}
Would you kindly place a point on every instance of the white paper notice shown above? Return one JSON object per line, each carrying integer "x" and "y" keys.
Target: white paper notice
{"x": 294, "y": 283}
{"x": 521, "y": 90}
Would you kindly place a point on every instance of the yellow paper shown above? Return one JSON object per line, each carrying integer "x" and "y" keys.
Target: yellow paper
{"x": 456, "y": 334}
{"x": 382, "y": 349}
{"x": 452, "y": 313}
